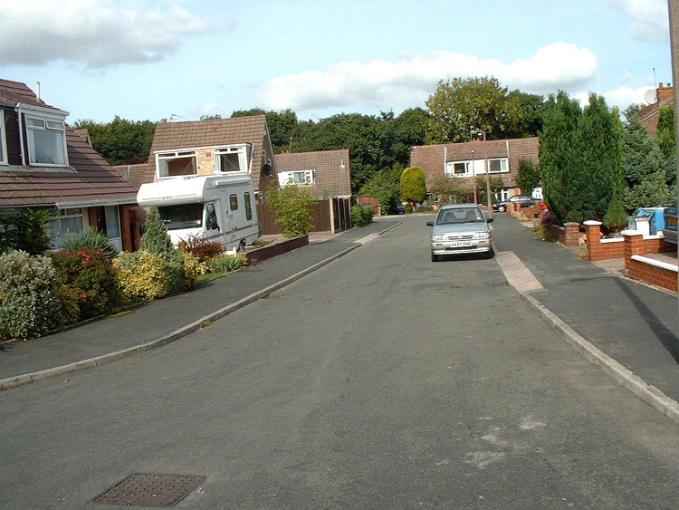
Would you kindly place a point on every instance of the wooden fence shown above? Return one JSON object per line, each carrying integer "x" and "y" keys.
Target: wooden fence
{"x": 321, "y": 216}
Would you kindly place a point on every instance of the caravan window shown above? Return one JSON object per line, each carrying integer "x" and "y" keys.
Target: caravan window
{"x": 233, "y": 199}
{"x": 181, "y": 216}
{"x": 248, "y": 206}
{"x": 211, "y": 217}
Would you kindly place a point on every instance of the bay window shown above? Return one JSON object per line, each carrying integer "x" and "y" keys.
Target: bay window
{"x": 234, "y": 158}
{"x": 64, "y": 224}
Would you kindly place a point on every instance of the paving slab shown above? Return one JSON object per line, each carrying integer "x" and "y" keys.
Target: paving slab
{"x": 636, "y": 325}
{"x": 159, "y": 318}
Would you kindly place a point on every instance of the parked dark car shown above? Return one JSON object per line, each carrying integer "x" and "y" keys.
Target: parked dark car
{"x": 523, "y": 200}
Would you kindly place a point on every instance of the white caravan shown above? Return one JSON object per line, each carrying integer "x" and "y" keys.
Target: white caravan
{"x": 219, "y": 208}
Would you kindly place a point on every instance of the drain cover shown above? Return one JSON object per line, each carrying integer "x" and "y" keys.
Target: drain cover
{"x": 148, "y": 489}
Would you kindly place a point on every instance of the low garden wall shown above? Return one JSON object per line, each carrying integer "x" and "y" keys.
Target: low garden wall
{"x": 614, "y": 248}
{"x": 272, "y": 250}
{"x": 568, "y": 235}
{"x": 649, "y": 270}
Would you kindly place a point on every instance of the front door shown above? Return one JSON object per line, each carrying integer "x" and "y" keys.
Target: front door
{"x": 113, "y": 226}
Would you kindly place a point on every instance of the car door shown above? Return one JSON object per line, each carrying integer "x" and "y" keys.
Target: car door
{"x": 212, "y": 227}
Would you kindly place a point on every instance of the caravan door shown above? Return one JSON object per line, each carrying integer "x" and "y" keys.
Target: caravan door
{"x": 212, "y": 228}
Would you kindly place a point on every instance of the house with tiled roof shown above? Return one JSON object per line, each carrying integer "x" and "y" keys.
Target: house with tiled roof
{"x": 466, "y": 160}
{"x": 235, "y": 146}
{"x": 327, "y": 174}
{"x": 649, "y": 114}
{"x": 45, "y": 164}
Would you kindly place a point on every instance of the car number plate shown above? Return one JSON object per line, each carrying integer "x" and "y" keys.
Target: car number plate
{"x": 460, "y": 244}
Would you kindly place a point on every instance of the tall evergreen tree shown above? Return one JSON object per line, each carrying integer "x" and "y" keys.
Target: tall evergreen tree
{"x": 559, "y": 155}
{"x": 155, "y": 238}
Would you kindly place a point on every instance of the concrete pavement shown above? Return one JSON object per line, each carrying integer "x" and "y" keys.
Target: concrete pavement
{"x": 379, "y": 381}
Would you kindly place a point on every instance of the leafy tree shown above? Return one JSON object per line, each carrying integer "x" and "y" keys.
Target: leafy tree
{"x": 413, "y": 187}
{"x": 409, "y": 128}
{"x": 559, "y": 155}
{"x": 282, "y": 125}
{"x": 665, "y": 131}
{"x": 121, "y": 141}
{"x": 529, "y": 176}
{"x": 385, "y": 186}
{"x": 155, "y": 239}
{"x": 643, "y": 169}
{"x": 495, "y": 184}
{"x": 460, "y": 106}
{"x": 25, "y": 231}
{"x": 632, "y": 110}
{"x": 294, "y": 209}
{"x": 215, "y": 116}
{"x": 449, "y": 190}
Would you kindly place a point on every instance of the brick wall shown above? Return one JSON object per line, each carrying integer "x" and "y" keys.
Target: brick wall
{"x": 370, "y": 201}
{"x": 609, "y": 249}
{"x": 205, "y": 161}
{"x": 266, "y": 252}
{"x": 635, "y": 246}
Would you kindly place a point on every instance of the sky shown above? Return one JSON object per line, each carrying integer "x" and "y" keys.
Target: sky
{"x": 180, "y": 59}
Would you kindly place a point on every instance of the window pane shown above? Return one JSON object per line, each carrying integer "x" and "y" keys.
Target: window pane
{"x": 229, "y": 162}
{"x": 35, "y": 122}
{"x": 496, "y": 165}
{"x": 460, "y": 168}
{"x": 248, "y": 206}
{"x": 112, "y": 222}
{"x": 46, "y": 147}
{"x": 181, "y": 166}
{"x": 182, "y": 216}
{"x": 233, "y": 199}
{"x": 211, "y": 217}
{"x": 55, "y": 125}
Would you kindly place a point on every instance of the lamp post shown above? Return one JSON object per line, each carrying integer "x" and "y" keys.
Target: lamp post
{"x": 474, "y": 176}
{"x": 485, "y": 151}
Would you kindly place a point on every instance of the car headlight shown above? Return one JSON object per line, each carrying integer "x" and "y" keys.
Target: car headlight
{"x": 481, "y": 235}
{"x": 438, "y": 238}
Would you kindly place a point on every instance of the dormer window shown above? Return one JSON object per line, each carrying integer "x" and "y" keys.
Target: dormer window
{"x": 176, "y": 163}
{"x": 234, "y": 158}
{"x": 46, "y": 141}
{"x": 3, "y": 140}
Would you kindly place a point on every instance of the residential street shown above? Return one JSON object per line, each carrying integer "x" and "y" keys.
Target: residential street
{"x": 380, "y": 381}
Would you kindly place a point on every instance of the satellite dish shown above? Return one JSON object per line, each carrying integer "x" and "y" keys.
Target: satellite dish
{"x": 267, "y": 169}
{"x": 649, "y": 96}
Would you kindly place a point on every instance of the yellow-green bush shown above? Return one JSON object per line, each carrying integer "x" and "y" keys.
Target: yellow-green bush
{"x": 192, "y": 267}
{"x": 143, "y": 276}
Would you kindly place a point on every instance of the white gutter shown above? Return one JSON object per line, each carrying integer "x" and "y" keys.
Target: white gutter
{"x": 96, "y": 203}
{"x": 21, "y": 139}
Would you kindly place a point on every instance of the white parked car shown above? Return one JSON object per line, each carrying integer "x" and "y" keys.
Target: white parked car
{"x": 458, "y": 229}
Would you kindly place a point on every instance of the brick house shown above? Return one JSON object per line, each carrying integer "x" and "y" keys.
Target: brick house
{"x": 240, "y": 145}
{"x": 327, "y": 174}
{"x": 650, "y": 114}
{"x": 465, "y": 160}
{"x": 45, "y": 164}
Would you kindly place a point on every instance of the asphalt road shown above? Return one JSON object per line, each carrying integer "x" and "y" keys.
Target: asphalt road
{"x": 380, "y": 381}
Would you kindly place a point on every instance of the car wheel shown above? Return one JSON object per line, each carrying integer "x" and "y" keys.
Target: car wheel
{"x": 434, "y": 258}
{"x": 489, "y": 255}
{"x": 501, "y": 208}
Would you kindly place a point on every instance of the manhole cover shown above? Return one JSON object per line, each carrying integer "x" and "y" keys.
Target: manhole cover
{"x": 147, "y": 489}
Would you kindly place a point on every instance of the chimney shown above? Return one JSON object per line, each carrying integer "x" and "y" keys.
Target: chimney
{"x": 664, "y": 91}
{"x": 163, "y": 120}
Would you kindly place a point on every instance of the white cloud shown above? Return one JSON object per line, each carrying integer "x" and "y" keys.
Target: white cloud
{"x": 650, "y": 18}
{"x": 98, "y": 33}
{"x": 621, "y": 97}
{"x": 384, "y": 84}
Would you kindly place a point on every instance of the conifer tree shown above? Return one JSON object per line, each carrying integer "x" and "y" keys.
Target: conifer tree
{"x": 155, "y": 238}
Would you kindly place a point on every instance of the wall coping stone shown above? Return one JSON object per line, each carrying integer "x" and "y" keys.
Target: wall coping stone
{"x": 612, "y": 240}
{"x": 656, "y": 263}
{"x": 593, "y": 223}
{"x": 629, "y": 233}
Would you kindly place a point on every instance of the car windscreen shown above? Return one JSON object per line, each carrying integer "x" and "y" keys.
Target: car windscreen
{"x": 459, "y": 215}
{"x": 176, "y": 217}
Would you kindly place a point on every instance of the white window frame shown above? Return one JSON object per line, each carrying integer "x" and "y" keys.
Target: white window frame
{"x": 172, "y": 155}
{"x": 450, "y": 168}
{"x": 504, "y": 166}
{"x": 45, "y": 119}
{"x": 243, "y": 150}
{"x": 63, "y": 214}
{"x": 3, "y": 140}
{"x": 302, "y": 177}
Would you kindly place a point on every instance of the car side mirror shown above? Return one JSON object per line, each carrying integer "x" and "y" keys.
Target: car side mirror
{"x": 489, "y": 220}
{"x": 430, "y": 223}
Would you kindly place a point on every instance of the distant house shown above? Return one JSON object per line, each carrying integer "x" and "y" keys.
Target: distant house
{"x": 466, "y": 160}
{"x": 236, "y": 146}
{"x": 45, "y": 164}
{"x": 650, "y": 114}
{"x": 326, "y": 174}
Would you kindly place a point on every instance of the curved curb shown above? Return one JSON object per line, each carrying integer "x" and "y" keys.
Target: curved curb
{"x": 646, "y": 392}
{"x": 20, "y": 380}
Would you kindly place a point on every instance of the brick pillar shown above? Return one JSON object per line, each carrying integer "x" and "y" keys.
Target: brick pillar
{"x": 634, "y": 245}
{"x": 593, "y": 238}
{"x": 571, "y": 234}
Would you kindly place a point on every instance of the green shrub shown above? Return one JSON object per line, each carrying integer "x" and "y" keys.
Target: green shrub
{"x": 408, "y": 208}
{"x": 89, "y": 272}
{"x": 92, "y": 239}
{"x": 29, "y": 302}
{"x": 143, "y": 276}
{"x": 155, "y": 238}
{"x": 361, "y": 215}
{"x": 413, "y": 187}
{"x": 70, "y": 303}
{"x": 226, "y": 263}
{"x": 294, "y": 208}
{"x": 192, "y": 268}
{"x": 25, "y": 231}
